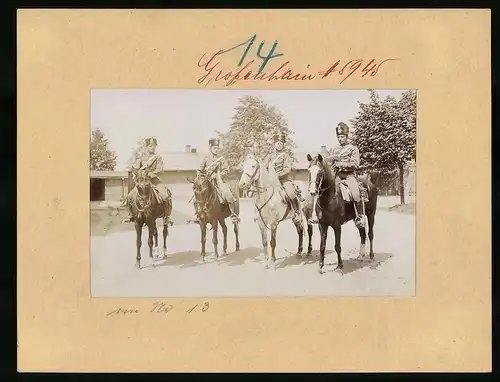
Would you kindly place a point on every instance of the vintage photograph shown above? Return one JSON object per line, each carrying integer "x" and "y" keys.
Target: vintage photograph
{"x": 252, "y": 193}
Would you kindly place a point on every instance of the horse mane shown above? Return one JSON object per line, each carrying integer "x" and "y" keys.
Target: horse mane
{"x": 268, "y": 177}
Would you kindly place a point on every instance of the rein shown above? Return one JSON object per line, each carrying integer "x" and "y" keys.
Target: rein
{"x": 260, "y": 190}
{"x": 141, "y": 199}
{"x": 321, "y": 191}
{"x": 208, "y": 201}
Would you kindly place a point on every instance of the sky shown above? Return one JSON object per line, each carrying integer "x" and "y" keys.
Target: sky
{"x": 190, "y": 117}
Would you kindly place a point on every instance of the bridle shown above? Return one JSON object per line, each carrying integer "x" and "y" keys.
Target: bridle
{"x": 203, "y": 207}
{"x": 141, "y": 199}
{"x": 319, "y": 184}
{"x": 252, "y": 179}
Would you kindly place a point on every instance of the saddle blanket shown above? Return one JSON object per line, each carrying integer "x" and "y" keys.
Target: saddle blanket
{"x": 346, "y": 193}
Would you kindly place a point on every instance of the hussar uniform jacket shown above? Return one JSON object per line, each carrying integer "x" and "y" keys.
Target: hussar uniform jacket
{"x": 282, "y": 164}
{"x": 349, "y": 158}
{"x": 211, "y": 162}
{"x": 152, "y": 162}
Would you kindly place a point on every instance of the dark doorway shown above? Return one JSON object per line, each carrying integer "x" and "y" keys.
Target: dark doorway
{"x": 97, "y": 187}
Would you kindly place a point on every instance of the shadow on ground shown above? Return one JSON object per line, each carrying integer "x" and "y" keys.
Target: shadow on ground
{"x": 293, "y": 260}
{"x": 352, "y": 265}
{"x": 107, "y": 221}
{"x": 191, "y": 259}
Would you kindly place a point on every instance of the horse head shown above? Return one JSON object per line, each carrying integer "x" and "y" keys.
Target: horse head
{"x": 250, "y": 171}
{"x": 202, "y": 187}
{"x": 320, "y": 174}
{"x": 142, "y": 181}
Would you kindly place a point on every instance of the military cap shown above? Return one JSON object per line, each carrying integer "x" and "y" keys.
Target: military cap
{"x": 151, "y": 140}
{"x": 280, "y": 137}
{"x": 213, "y": 142}
{"x": 342, "y": 128}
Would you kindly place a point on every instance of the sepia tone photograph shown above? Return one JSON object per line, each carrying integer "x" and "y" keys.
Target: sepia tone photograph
{"x": 252, "y": 193}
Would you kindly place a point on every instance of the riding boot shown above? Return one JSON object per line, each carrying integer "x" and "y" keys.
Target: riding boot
{"x": 296, "y": 207}
{"x": 234, "y": 216}
{"x": 358, "y": 220}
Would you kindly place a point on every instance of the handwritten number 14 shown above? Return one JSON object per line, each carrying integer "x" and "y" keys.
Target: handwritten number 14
{"x": 265, "y": 59}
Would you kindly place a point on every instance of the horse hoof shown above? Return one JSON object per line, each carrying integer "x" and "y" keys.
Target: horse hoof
{"x": 237, "y": 249}
{"x": 320, "y": 271}
{"x": 266, "y": 266}
{"x": 137, "y": 266}
{"x": 298, "y": 255}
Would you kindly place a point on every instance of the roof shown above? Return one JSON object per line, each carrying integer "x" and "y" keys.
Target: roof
{"x": 301, "y": 162}
{"x": 108, "y": 174}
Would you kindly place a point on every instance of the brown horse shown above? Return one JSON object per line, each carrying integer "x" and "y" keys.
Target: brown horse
{"x": 145, "y": 210}
{"x": 333, "y": 211}
{"x": 209, "y": 209}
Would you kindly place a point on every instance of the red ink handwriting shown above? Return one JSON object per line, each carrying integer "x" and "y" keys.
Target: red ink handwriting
{"x": 212, "y": 72}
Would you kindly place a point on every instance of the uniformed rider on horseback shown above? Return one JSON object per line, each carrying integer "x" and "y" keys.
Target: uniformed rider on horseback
{"x": 281, "y": 162}
{"x": 345, "y": 158}
{"x": 153, "y": 163}
{"x": 212, "y": 165}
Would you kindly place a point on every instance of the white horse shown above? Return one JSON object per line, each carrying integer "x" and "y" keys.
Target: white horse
{"x": 271, "y": 206}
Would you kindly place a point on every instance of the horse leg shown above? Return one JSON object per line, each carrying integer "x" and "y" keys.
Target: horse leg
{"x": 236, "y": 230}
{"x": 362, "y": 248}
{"x": 300, "y": 232}
{"x": 151, "y": 231}
{"x": 337, "y": 228}
{"x": 263, "y": 234}
{"x": 215, "y": 229}
{"x": 165, "y": 234}
{"x": 309, "y": 234}
{"x": 138, "y": 230}
{"x": 323, "y": 229}
{"x": 203, "y": 227}
{"x": 371, "y": 222}
{"x": 274, "y": 228}
{"x": 155, "y": 236}
{"x": 223, "y": 225}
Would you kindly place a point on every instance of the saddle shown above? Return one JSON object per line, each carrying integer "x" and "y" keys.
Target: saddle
{"x": 158, "y": 196}
{"x": 346, "y": 192}
{"x": 284, "y": 196}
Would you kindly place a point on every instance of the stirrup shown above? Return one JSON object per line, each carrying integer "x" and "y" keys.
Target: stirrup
{"x": 359, "y": 221}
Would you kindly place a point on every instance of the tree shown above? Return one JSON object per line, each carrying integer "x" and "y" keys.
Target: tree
{"x": 253, "y": 125}
{"x": 101, "y": 157}
{"x": 136, "y": 152}
{"x": 385, "y": 132}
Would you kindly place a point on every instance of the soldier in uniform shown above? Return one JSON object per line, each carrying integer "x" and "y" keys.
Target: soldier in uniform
{"x": 154, "y": 164}
{"x": 210, "y": 165}
{"x": 281, "y": 161}
{"x": 346, "y": 160}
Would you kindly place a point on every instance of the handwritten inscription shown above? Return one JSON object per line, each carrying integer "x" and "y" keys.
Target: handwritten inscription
{"x": 122, "y": 312}
{"x": 343, "y": 70}
{"x": 160, "y": 308}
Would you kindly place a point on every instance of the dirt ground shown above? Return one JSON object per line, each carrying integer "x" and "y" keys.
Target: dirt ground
{"x": 242, "y": 273}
